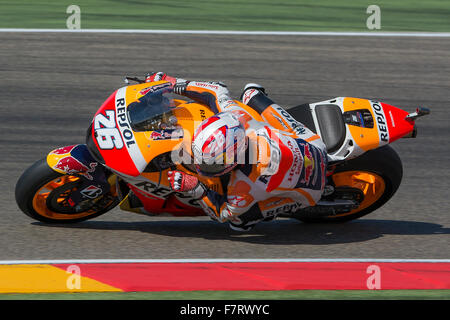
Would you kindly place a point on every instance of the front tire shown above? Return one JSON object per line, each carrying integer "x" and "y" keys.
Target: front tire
{"x": 379, "y": 169}
{"x": 41, "y": 192}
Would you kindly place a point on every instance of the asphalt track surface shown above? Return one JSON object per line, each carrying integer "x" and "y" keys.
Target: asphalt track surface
{"x": 52, "y": 84}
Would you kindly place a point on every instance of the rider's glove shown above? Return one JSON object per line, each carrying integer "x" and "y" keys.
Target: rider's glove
{"x": 158, "y": 76}
{"x": 183, "y": 182}
{"x": 179, "y": 85}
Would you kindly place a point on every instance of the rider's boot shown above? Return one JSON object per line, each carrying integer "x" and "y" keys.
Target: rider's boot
{"x": 240, "y": 228}
{"x": 255, "y": 96}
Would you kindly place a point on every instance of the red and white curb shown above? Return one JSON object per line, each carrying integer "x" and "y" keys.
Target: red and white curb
{"x": 131, "y": 275}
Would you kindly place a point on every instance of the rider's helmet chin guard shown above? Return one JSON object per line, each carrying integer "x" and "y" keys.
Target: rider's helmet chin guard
{"x": 219, "y": 145}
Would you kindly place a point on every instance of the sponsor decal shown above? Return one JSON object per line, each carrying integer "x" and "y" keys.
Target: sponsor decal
{"x": 308, "y": 163}
{"x": 71, "y": 165}
{"x": 63, "y": 150}
{"x": 274, "y": 203}
{"x": 239, "y": 195}
{"x": 280, "y": 121}
{"x": 297, "y": 164}
{"x": 207, "y": 85}
{"x": 122, "y": 121}
{"x": 238, "y": 201}
{"x": 127, "y": 133}
{"x": 108, "y": 135}
{"x": 152, "y": 188}
{"x": 91, "y": 192}
{"x": 381, "y": 122}
{"x": 298, "y": 127}
{"x": 248, "y": 95}
{"x": 285, "y": 208}
{"x": 392, "y": 119}
{"x": 227, "y": 103}
{"x": 163, "y": 192}
{"x": 167, "y": 134}
{"x": 314, "y": 167}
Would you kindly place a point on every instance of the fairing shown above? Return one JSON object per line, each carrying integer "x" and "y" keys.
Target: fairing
{"x": 120, "y": 139}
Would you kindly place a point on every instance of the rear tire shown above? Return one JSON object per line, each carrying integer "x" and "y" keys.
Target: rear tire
{"x": 35, "y": 205}
{"x": 383, "y": 162}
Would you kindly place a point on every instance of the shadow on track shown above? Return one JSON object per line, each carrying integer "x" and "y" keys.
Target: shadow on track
{"x": 280, "y": 232}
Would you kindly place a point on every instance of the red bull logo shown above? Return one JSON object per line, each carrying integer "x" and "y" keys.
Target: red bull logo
{"x": 156, "y": 135}
{"x": 63, "y": 161}
{"x": 167, "y": 134}
{"x": 63, "y": 150}
{"x": 308, "y": 164}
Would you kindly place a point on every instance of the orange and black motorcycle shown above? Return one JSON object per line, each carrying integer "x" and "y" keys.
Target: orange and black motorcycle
{"x": 142, "y": 131}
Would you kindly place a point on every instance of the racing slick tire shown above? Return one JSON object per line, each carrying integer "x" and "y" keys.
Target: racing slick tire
{"x": 41, "y": 192}
{"x": 378, "y": 173}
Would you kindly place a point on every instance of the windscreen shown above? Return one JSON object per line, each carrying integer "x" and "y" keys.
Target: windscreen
{"x": 152, "y": 112}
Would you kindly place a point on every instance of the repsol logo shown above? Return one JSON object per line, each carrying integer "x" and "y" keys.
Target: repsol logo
{"x": 381, "y": 121}
{"x": 124, "y": 125}
{"x": 162, "y": 192}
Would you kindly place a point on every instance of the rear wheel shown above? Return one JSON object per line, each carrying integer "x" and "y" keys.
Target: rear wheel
{"x": 43, "y": 194}
{"x": 377, "y": 174}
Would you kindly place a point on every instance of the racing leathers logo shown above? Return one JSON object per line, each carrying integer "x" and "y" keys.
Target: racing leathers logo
{"x": 296, "y": 126}
{"x": 239, "y": 195}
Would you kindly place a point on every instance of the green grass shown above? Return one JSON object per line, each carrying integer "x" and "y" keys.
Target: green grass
{"x": 242, "y": 295}
{"x": 283, "y": 15}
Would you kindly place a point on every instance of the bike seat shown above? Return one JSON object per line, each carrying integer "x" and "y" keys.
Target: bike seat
{"x": 330, "y": 122}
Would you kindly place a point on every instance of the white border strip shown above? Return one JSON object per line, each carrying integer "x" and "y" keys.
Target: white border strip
{"x": 225, "y": 32}
{"x": 108, "y": 261}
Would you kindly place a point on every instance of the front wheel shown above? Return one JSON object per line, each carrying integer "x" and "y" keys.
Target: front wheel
{"x": 42, "y": 194}
{"x": 376, "y": 174}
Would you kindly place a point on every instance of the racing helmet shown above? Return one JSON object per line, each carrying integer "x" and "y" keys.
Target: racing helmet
{"x": 219, "y": 145}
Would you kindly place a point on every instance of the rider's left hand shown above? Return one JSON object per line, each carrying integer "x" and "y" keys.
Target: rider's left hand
{"x": 158, "y": 76}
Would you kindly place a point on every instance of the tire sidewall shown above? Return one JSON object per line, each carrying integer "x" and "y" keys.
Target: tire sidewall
{"x": 31, "y": 181}
{"x": 384, "y": 162}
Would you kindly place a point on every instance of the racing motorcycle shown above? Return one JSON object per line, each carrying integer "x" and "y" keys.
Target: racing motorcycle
{"x": 142, "y": 131}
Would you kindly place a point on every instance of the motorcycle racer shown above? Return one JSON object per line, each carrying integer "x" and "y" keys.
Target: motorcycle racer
{"x": 266, "y": 169}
